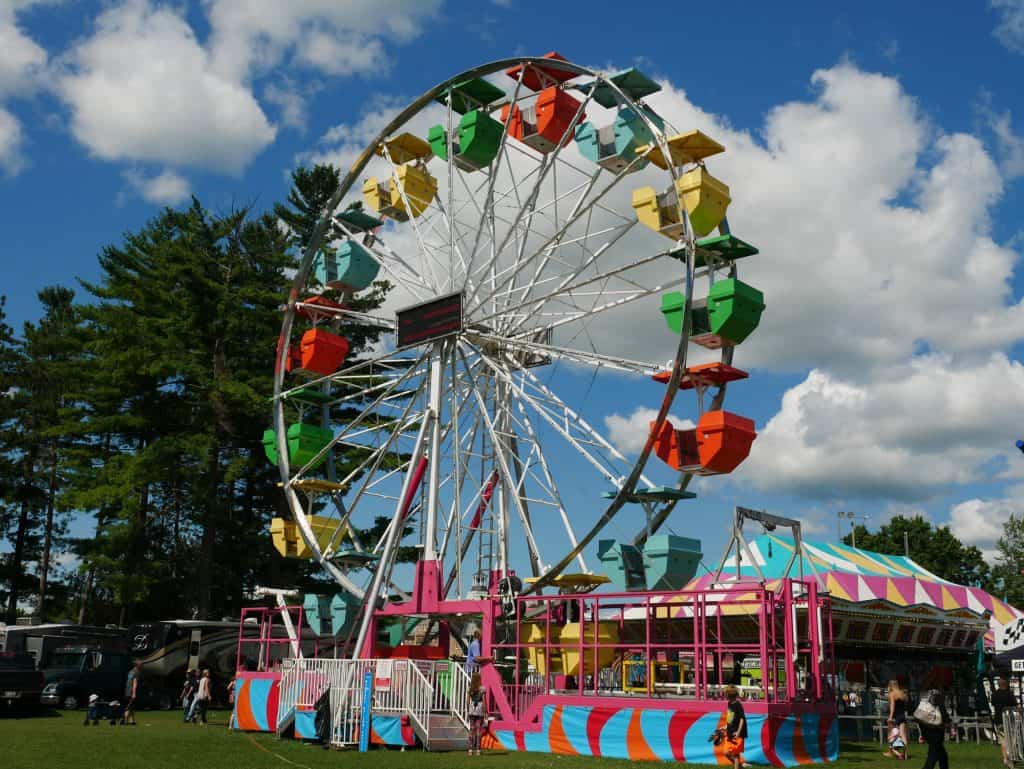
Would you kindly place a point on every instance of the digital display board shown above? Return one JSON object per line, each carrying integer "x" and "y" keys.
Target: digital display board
{"x": 431, "y": 320}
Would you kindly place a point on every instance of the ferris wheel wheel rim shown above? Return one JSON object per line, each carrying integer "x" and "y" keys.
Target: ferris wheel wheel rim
{"x": 317, "y": 238}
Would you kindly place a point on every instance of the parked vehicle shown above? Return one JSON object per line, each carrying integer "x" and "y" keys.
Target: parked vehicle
{"x": 75, "y": 672}
{"x": 168, "y": 649}
{"x": 20, "y": 683}
{"x": 41, "y": 641}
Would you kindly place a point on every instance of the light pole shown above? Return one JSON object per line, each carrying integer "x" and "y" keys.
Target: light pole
{"x": 852, "y": 517}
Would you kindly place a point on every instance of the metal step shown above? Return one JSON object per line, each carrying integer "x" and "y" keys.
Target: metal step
{"x": 446, "y": 733}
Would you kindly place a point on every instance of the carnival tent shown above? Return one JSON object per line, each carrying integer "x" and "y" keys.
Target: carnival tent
{"x": 854, "y": 576}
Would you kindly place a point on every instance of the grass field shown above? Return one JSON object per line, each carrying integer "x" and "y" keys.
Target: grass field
{"x": 58, "y": 740}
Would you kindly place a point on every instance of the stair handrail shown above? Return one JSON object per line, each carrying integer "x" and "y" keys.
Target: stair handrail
{"x": 459, "y": 699}
{"x": 417, "y": 696}
{"x": 287, "y": 691}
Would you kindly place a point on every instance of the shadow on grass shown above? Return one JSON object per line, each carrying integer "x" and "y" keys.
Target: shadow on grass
{"x": 17, "y": 714}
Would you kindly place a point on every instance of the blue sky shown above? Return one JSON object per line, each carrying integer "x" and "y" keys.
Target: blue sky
{"x": 95, "y": 136}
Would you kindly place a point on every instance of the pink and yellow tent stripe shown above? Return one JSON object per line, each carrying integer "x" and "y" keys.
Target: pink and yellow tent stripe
{"x": 859, "y": 576}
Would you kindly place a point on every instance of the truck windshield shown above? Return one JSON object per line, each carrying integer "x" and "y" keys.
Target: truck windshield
{"x": 17, "y": 662}
{"x": 66, "y": 660}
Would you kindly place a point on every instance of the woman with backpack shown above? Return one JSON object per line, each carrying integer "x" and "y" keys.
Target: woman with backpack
{"x": 933, "y": 720}
{"x": 477, "y": 714}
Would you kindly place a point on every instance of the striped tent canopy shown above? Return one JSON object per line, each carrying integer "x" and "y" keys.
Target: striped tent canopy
{"x": 861, "y": 576}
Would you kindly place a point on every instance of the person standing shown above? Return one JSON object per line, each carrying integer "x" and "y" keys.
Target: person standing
{"x": 188, "y": 694}
{"x": 473, "y": 653}
{"x": 897, "y": 696}
{"x": 477, "y": 714}
{"x": 232, "y": 686}
{"x": 1002, "y": 698}
{"x": 735, "y": 727}
{"x": 131, "y": 691}
{"x": 933, "y": 720}
{"x": 202, "y": 698}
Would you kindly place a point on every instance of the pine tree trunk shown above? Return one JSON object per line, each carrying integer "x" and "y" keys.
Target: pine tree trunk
{"x": 205, "y": 566}
{"x": 44, "y": 559}
{"x": 86, "y": 593}
{"x": 16, "y": 563}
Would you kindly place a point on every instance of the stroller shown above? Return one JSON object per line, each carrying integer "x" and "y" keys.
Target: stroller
{"x": 112, "y": 711}
{"x": 896, "y": 744}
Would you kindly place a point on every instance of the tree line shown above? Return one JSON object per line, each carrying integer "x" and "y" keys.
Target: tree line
{"x": 139, "y": 401}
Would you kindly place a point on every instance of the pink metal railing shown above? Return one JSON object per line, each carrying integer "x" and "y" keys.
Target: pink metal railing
{"x": 696, "y": 637}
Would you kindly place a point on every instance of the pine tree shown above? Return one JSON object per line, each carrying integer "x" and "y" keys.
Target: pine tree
{"x": 187, "y": 313}
{"x": 16, "y": 521}
{"x": 52, "y": 358}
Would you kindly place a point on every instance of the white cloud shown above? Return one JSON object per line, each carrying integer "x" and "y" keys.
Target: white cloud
{"x": 1009, "y": 144}
{"x": 872, "y": 244}
{"x": 167, "y": 188}
{"x": 628, "y": 434}
{"x": 251, "y": 36}
{"x": 23, "y": 61}
{"x": 289, "y": 101}
{"x": 143, "y": 88}
{"x": 11, "y": 139}
{"x": 336, "y": 55}
{"x": 927, "y": 426}
{"x": 980, "y": 521}
{"x": 1010, "y": 30}
{"x": 22, "y": 71}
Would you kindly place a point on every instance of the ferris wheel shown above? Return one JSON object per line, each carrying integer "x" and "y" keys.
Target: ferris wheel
{"x": 525, "y": 212}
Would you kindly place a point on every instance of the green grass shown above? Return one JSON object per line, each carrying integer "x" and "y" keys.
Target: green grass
{"x": 57, "y": 740}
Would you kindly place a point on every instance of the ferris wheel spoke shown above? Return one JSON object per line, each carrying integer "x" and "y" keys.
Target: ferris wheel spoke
{"x": 548, "y": 163}
{"x": 529, "y": 305}
{"x": 520, "y": 262}
{"x": 500, "y": 459}
{"x": 461, "y": 473}
{"x": 580, "y": 423}
{"x": 584, "y": 315}
{"x": 562, "y": 421}
{"x": 495, "y": 166}
{"x": 575, "y": 355}
{"x": 315, "y": 461}
{"x": 454, "y": 249}
{"x": 524, "y": 223}
{"x": 517, "y": 293}
{"x": 549, "y": 482}
{"x": 461, "y": 457}
{"x": 450, "y": 148}
{"x": 387, "y": 362}
{"x": 580, "y": 210}
{"x": 566, "y": 285}
{"x": 412, "y": 218}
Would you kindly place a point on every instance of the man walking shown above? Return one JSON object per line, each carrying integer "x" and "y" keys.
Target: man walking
{"x": 131, "y": 691}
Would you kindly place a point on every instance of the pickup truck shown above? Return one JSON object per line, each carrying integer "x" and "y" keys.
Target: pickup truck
{"x": 75, "y": 672}
{"x": 20, "y": 682}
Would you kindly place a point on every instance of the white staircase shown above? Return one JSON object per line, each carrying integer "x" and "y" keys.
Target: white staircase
{"x": 434, "y": 696}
